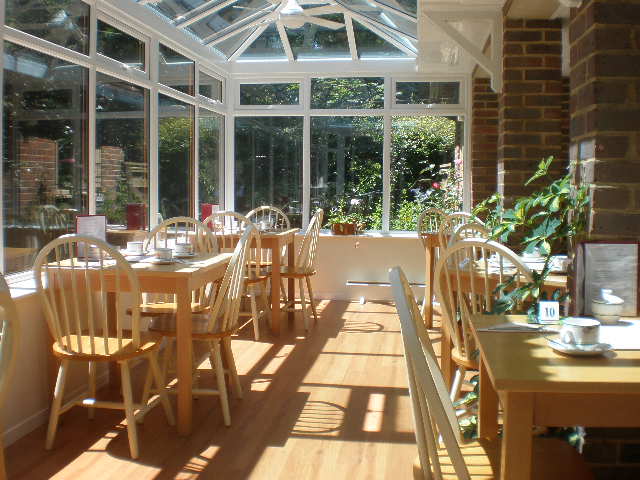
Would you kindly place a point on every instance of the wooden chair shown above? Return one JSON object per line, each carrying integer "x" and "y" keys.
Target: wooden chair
{"x": 216, "y": 326}
{"x": 442, "y": 452}
{"x": 52, "y": 222}
{"x": 10, "y": 336}
{"x": 74, "y": 294}
{"x": 305, "y": 268}
{"x": 227, "y": 227}
{"x": 428, "y": 225}
{"x": 466, "y": 278}
{"x": 275, "y": 218}
{"x": 449, "y": 224}
{"x": 165, "y": 235}
{"x": 468, "y": 230}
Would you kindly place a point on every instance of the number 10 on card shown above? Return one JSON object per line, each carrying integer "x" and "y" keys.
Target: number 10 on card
{"x": 548, "y": 312}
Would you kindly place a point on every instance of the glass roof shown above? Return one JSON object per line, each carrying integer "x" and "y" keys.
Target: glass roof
{"x": 254, "y": 30}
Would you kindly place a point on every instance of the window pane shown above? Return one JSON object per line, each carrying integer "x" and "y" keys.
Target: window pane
{"x": 210, "y": 149}
{"x": 64, "y": 22}
{"x": 426, "y": 167}
{"x": 270, "y": 94}
{"x": 346, "y": 168}
{"x": 269, "y": 164}
{"x": 174, "y": 157}
{"x": 210, "y": 87}
{"x": 427, "y": 93}
{"x": 122, "y": 166}
{"x": 120, "y": 46}
{"x": 319, "y": 41}
{"x": 44, "y": 155}
{"x": 176, "y": 71}
{"x": 370, "y": 45}
{"x": 354, "y": 92}
{"x": 268, "y": 46}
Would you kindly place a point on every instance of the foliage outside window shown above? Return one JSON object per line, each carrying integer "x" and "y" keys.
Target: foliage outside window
{"x": 210, "y": 148}
{"x": 176, "y": 70}
{"x": 356, "y": 92}
{"x": 427, "y": 93}
{"x": 44, "y": 140}
{"x": 268, "y": 164}
{"x": 122, "y": 166}
{"x": 120, "y": 46}
{"x": 270, "y": 94}
{"x": 175, "y": 154}
{"x": 63, "y": 22}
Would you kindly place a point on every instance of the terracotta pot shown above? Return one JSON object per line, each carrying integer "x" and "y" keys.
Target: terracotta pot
{"x": 343, "y": 228}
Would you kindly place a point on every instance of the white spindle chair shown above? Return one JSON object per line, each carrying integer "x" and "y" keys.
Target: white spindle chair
{"x": 468, "y": 230}
{"x": 10, "y": 336}
{"x": 305, "y": 268}
{"x": 466, "y": 277}
{"x": 449, "y": 224}
{"x": 74, "y": 293}
{"x": 429, "y": 223}
{"x": 216, "y": 326}
{"x": 227, "y": 228}
{"x": 442, "y": 451}
{"x": 273, "y": 216}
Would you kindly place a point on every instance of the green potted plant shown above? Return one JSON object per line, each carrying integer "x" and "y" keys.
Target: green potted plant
{"x": 341, "y": 219}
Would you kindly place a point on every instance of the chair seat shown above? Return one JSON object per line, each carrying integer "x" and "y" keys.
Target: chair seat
{"x": 148, "y": 342}
{"x": 166, "y": 325}
{"x": 552, "y": 459}
{"x": 293, "y": 272}
{"x": 463, "y": 361}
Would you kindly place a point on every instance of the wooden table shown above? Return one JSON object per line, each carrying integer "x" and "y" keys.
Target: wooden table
{"x": 537, "y": 386}
{"x": 180, "y": 279}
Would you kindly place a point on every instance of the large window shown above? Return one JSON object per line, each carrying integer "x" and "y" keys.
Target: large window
{"x": 175, "y": 154}
{"x": 122, "y": 167}
{"x": 346, "y": 167}
{"x": 211, "y": 160}
{"x": 365, "y": 92}
{"x": 269, "y": 94}
{"x": 116, "y": 44}
{"x": 44, "y": 148}
{"x": 269, "y": 164}
{"x": 176, "y": 70}
{"x": 427, "y": 93}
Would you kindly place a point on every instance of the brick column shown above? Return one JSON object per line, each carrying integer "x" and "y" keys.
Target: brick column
{"x": 605, "y": 113}
{"x": 484, "y": 140}
{"x": 533, "y": 103}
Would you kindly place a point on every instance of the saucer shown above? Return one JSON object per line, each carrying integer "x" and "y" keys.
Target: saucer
{"x": 185, "y": 255}
{"x": 579, "y": 350}
{"x": 160, "y": 261}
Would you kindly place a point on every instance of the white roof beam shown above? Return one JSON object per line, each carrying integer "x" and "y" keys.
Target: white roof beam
{"x": 247, "y": 43}
{"x": 284, "y": 38}
{"x": 351, "y": 36}
{"x": 206, "y": 9}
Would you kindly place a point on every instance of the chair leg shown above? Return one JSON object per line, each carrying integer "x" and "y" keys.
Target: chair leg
{"x": 132, "y": 429}
{"x": 255, "y": 317}
{"x": 58, "y": 393}
{"x": 168, "y": 355}
{"x": 303, "y": 304}
{"x": 234, "y": 379}
{"x": 216, "y": 359}
{"x": 283, "y": 292}
{"x": 92, "y": 387}
{"x": 311, "y": 300}
{"x": 160, "y": 385}
{"x": 457, "y": 383}
{"x": 146, "y": 390}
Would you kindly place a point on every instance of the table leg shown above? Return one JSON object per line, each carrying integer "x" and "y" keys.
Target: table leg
{"x": 275, "y": 289}
{"x": 428, "y": 288}
{"x": 114, "y": 367}
{"x": 184, "y": 353}
{"x": 488, "y": 409}
{"x": 446, "y": 363}
{"x": 517, "y": 441}
{"x": 291, "y": 287}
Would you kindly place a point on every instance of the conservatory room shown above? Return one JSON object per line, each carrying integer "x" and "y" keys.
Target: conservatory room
{"x": 320, "y": 239}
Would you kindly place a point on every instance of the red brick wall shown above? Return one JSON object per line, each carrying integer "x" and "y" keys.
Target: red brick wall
{"x": 605, "y": 113}
{"x": 109, "y": 166}
{"x": 533, "y": 105}
{"x": 37, "y": 163}
{"x": 484, "y": 140}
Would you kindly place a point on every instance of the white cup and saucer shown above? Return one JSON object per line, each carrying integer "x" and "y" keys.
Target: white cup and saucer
{"x": 579, "y": 336}
{"x": 183, "y": 250}
{"x": 163, "y": 256}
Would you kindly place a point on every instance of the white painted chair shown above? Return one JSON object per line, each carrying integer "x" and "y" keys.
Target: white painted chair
{"x": 450, "y": 222}
{"x": 273, "y": 217}
{"x": 442, "y": 452}
{"x": 468, "y": 230}
{"x": 429, "y": 223}
{"x": 305, "y": 268}
{"x": 10, "y": 336}
{"x": 216, "y": 326}
{"x": 74, "y": 294}
{"x": 466, "y": 277}
{"x": 227, "y": 227}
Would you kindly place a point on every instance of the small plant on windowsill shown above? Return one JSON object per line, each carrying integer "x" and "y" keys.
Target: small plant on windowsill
{"x": 342, "y": 219}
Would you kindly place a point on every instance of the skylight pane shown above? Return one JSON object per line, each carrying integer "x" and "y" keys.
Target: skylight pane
{"x": 268, "y": 46}
{"x": 231, "y": 44}
{"x": 176, "y": 8}
{"x": 231, "y": 17}
{"x": 408, "y": 6}
{"x": 378, "y": 16}
{"x": 370, "y": 45}
{"x": 315, "y": 41}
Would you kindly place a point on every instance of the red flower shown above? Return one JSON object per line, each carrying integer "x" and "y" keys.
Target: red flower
{"x": 436, "y": 185}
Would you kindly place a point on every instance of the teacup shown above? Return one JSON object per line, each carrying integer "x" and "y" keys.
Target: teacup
{"x": 580, "y": 331}
{"x": 184, "y": 249}
{"x": 164, "y": 254}
{"x": 135, "y": 247}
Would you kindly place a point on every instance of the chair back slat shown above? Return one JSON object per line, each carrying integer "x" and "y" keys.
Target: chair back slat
{"x": 306, "y": 258}
{"x": 468, "y": 230}
{"x": 78, "y": 322}
{"x": 449, "y": 224}
{"x": 433, "y": 411}
{"x": 429, "y": 223}
{"x": 466, "y": 277}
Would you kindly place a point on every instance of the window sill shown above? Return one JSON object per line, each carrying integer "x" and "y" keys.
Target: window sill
{"x": 372, "y": 234}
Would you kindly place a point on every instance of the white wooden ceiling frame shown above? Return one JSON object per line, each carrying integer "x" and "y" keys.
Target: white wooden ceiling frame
{"x": 491, "y": 63}
{"x": 351, "y": 37}
{"x": 206, "y": 9}
{"x": 247, "y": 43}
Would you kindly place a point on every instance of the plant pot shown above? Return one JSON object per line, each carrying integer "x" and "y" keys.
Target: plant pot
{"x": 343, "y": 228}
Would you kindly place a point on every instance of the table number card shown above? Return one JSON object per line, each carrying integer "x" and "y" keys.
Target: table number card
{"x": 548, "y": 312}
{"x": 92, "y": 226}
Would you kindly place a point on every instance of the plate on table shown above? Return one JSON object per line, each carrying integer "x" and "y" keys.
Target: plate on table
{"x": 185, "y": 255}
{"x": 579, "y": 350}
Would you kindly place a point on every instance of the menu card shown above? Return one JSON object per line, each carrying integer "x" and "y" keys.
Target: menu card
{"x": 92, "y": 225}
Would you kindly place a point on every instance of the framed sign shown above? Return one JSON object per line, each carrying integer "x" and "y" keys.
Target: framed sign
{"x": 92, "y": 225}
{"x": 608, "y": 264}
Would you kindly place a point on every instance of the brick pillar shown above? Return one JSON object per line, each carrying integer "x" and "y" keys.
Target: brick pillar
{"x": 605, "y": 113}
{"x": 484, "y": 140}
{"x": 109, "y": 166}
{"x": 37, "y": 164}
{"x": 531, "y": 106}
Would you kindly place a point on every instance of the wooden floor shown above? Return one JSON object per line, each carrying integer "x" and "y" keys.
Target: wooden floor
{"x": 330, "y": 406}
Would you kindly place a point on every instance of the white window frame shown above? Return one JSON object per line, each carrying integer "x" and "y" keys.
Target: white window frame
{"x": 433, "y": 106}
{"x": 116, "y": 64}
{"x": 216, "y": 104}
{"x": 298, "y": 107}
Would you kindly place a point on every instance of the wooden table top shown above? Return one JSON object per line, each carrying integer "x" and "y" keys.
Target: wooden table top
{"x": 523, "y": 362}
